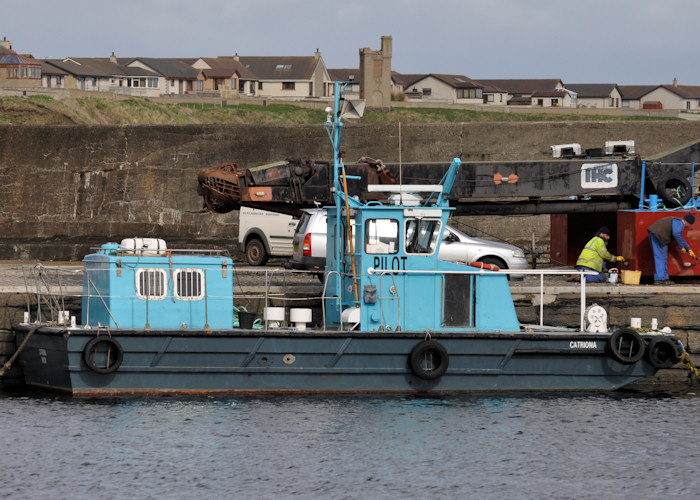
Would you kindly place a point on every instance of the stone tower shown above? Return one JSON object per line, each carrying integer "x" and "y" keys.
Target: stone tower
{"x": 375, "y": 75}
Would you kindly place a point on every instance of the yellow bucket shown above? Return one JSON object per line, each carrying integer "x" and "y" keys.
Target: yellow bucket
{"x": 631, "y": 277}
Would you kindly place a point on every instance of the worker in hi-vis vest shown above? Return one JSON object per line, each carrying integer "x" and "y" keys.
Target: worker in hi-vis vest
{"x": 593, "y": 257}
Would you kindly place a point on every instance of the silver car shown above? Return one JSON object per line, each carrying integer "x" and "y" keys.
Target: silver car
{"x": 309, "y": 241}
{"x": 309, "y": 247}
{"x": 460, "y": 247}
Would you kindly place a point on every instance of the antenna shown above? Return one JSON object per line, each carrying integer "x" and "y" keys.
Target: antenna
{"x": 400, "y": 165}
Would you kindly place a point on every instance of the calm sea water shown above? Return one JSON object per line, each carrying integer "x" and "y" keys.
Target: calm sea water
{"x": 506, "y": 446}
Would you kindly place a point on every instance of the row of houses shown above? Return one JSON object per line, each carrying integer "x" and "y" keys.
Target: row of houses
{"x": 296, "y": 78}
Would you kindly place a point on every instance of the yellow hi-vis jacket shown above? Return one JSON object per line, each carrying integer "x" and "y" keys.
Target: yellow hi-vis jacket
{"x": 594, "y": 253}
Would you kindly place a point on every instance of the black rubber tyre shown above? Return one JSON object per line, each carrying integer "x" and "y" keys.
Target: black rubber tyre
{"x": 662, "y": 352}
{"x": 108, "y": 347}
{"x": 674, "y": 190}
{"x": 255, "y": 252}
{"x": 626, "y": 346}
{"x": 429, "y": 360}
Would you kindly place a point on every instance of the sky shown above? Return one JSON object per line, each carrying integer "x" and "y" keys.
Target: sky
{"x": 628, "y": 42}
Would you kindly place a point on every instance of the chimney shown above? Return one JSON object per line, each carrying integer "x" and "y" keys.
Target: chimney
{"x": 317, "y": 54}
{"x": 5, "y": 44}
{"x": 113, "y": 58}
{"x": 236, "y": 58}
{"x": 675, "y": 82}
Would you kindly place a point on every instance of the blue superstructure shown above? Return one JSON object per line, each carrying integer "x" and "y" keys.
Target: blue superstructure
{"x": 127, "y": 287}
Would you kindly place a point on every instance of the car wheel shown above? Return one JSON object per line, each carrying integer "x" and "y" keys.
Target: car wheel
{"x": 255, "y": 252}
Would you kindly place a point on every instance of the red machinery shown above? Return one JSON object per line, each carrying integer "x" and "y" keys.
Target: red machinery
{"x": 569, "y": 234}
{"x": 633, "y": 242}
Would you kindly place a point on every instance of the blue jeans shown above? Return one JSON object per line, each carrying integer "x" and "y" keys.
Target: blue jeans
{"x": 660, "y": 259}
{"x": 601, "y": 277}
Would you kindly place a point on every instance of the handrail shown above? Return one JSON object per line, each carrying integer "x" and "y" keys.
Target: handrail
{"x": 287, "y": 293}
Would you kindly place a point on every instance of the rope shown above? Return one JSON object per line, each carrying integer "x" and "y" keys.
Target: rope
{"x": 6, "y": 367}
{"x": 685, "y": 359}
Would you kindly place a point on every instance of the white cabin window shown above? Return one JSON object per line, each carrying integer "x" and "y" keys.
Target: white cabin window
{"x": 422, "y": 235}
{"x": 189, "y": 284}
{"x": 381, "y": 236}
{"x": 150, "y": 284}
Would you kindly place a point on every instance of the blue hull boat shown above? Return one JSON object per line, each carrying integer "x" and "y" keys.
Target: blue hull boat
{"x": 252, "y": 361}
{"x": 395, "y": 318}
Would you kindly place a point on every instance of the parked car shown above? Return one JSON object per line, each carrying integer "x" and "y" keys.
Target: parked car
{"x": 309, "y": 247}
{"x": 309, "y": 241}
{"x": 262, "y": 234}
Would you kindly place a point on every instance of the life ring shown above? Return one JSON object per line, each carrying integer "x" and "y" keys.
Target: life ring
{"x": 107, "y": 347}
{"x": 483, "y": 265}
{"x": 429, "y": 360}
{"x": 626, "y": 346}
{"x": 674, "y": 190}
{"x": 662, "y": 352}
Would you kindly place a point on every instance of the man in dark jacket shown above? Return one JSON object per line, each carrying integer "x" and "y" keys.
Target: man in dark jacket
{"x": 661, "y": 233}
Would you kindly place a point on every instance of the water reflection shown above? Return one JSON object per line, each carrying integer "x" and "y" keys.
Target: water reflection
{"x": 526, "y": 446}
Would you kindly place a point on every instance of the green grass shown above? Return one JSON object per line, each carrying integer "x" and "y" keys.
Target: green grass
{"x": 43, "y": 110}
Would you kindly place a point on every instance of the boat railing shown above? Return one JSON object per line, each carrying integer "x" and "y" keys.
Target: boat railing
{"x": 526, "y": 272}
{"x": 52, "y": 286}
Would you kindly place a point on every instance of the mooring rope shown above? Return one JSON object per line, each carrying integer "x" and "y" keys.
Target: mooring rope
{"x": 685, "y": 359}
{"x": 6, "y": 367}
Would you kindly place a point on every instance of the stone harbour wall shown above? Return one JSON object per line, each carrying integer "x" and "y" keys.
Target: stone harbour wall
{"x": 65, "y": 189}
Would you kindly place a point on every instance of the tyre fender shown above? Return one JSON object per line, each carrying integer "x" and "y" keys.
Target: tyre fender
{"x": 662, "y": 352}
{"x": 626, "y": 346}
{"x": 107, "y": 347}
{"x": 429, "y": 360}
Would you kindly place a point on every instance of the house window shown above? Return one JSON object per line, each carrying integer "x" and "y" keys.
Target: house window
{"x": 381, "y": 236}
{"x": 94, "y": 82}
{"x": 287, "y": 85}
{"x": 200, "y": 85}
{"x": 422, "y": 235}
{"x": 489, "y": 98}
{"x": 153, "y": 83}
{"x": 150, "y": 284}
{"x": 470, "y": 94}
{"x": 555, "y": 102}
{"x": 286, "y": 67}
{"x": 259, "y": 85}
{"x": 427, "y": 91}
{"x": 687, "y": 105}
{"x": 189, "y": 284}
{"x": 241, "y": 86}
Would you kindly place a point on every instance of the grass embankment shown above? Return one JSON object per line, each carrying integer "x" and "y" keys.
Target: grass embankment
{"x": 41, "y": 110}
